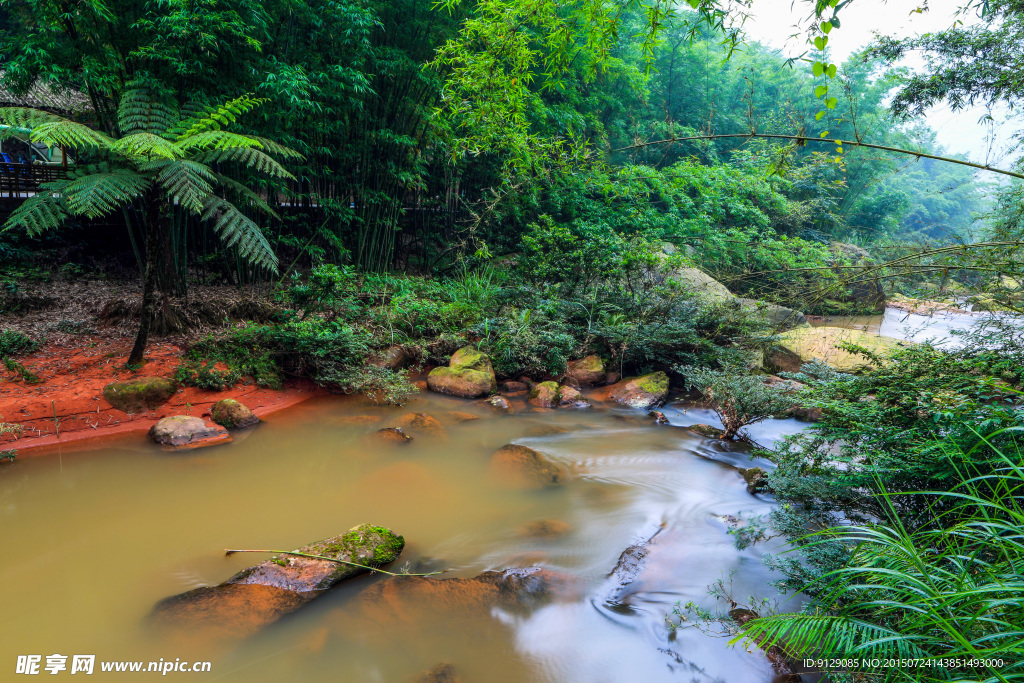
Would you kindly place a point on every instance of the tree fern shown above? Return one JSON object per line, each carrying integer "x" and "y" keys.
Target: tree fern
{"x": 99, "y": 194}
{"x": 186, "y": 182}
{"x": 45, "y": 210}
{"x": 220, "y": 117}
{"x": 145, "y": 145}
{"x": 140, "y": 112}
{"x": 250, "y": 157}
{"x": 236, "y": 229}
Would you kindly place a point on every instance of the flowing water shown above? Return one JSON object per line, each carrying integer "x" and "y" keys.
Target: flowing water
{"x": 95, "y": 537}
{"x": 937, "y": 328}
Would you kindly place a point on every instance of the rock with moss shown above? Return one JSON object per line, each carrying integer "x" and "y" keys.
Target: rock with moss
{"x": 522, "y": 465}
{"x": 499, "y": 403}
{"x": 469, "y": 375}
{"x": 778, "y": 317}
{"x": 185, "y": 431}
{"x": 231, "y": 414}
{"x": 586, "y": 372}
{"x": 262, "y": 594}
{"x": 824, "y": 344}
{"x": 544, "y": 395}
{"x": 139, "y": 395}
{"x": 646, "y": 392}
{"x": 706, "y": 430}
{"x": 756, "y": 479}
{"x": 355, "y": 552}
{"x": 570, "y": 397}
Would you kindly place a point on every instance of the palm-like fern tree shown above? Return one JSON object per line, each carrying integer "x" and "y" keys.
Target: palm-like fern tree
{"x": 160, "y": 157}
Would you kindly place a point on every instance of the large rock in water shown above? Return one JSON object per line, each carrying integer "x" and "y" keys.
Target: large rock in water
{"x": 231, "y": 414}
{"x": 551, "y": 395}
{"x": 587, "y": 371}
{"x": 469, "y": 375}
{"x": 185, "y": 431}
{"x": 779, "y": 317}
{"x": 524, "y": 466}
{"x": 646, "y": 392}
{"x": 140, "y": 394}
{"x": 807, "y": 344}
{"x": 262, "y": 594}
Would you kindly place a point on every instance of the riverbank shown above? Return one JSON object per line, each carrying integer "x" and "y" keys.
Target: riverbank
{"x": 66, "y": 405}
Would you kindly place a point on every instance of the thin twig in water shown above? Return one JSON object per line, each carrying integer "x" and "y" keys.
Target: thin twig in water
{"x": 330, "y": 559}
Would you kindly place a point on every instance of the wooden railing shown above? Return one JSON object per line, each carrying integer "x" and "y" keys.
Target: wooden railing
{"x": 20, "y": 181}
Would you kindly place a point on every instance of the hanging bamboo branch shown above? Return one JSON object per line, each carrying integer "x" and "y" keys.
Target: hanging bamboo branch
{"x": 801, "y": 140}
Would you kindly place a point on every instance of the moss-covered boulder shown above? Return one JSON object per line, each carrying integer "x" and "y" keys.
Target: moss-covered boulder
{"x": 779, "y": 317}
{"x": 706, "y": 430}
{"x": 140, "y": 394}
{"x": 586, "y": 372}
{"x": 231, "y": 414}
{"x": 468, "y": 375}
{"x": 646, "y": 392}
{"x": 570, "y": 397}
{"x": 544, "y": 395}
{"x": 807, "y": 344}
{"x": 522, "y": 465}
{"x": 260, "y": 595}
{"x": 367, "y": 545}
{"x": 185, "y": 431}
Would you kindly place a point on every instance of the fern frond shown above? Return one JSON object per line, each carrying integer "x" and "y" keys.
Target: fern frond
{"x": 52, "y": 130}
{"x": 252, "y": 199}
{"x": 186, "y": 182}
{"x": 276, "y": 148}
{"x": 42, "y": 211}
{"x": 140, "y": 112}
{"x": 216, "y": 139}
{"x": 251, "y": 158}
{"x": 809, "y": 635}
{"x": 218, "y": 118}
{"x": 137, "y": 146}
{"x": 237, "y": 230}
{"x": 98, "y": 194}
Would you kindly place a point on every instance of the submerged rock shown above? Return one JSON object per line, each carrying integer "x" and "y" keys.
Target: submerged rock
{"x": 262, "y": 594}
{"x": 469, "y": 375}
{"x": 544, "y": 528}
{"x": 231, "y": 414}
{"x": 140, "y": 394}
{"x": 393, "y": 435}
{"x": 587, "y": 371}
{"x": 570, "y": 397}
{"x": 499, "y": 403}
{"x": 420, "y": 424}
{"x": 523, "y": 465}
{"x": 807, "y": 344}
{"x": 659, "y": 417}
{"x": 646, "y": 392}
{"x": 185, "y": 431}
{"x": 442, "y": 673}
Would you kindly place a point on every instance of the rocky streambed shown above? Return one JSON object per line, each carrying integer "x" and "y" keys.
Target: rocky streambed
{"x": 529, "y": 507}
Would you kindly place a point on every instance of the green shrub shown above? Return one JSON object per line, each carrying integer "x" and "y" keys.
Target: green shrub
{"x": 739, "y": 398}
{"x": 14, "y": 343}
{"x": 205, "y": 375}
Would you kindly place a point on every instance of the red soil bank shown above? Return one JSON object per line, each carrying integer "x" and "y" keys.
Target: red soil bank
{"x": 68, "y": 401}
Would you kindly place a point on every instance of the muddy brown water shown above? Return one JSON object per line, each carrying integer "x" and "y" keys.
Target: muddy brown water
{"x": 94, "y": 538}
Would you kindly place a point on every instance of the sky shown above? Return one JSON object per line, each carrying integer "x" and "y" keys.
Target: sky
{"x": 774, "y": 22}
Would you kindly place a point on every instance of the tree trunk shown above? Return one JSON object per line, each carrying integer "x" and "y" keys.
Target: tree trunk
{"x": 154, "y": 251}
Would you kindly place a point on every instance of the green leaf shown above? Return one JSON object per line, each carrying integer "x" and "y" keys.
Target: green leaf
{"x": 817, "y": 117}
{"x": 820, "y": 42}
{"x": 238, "y": 230}
{"x": 818, "y": 69}
{"x": 831, "y": 71}
{"x": 832, "y": 102}
{"x": 824, "y": 134}
{"x": 98, "y": 194}
{"x": 820, "y": 91}
{"x": 826, "y": 27}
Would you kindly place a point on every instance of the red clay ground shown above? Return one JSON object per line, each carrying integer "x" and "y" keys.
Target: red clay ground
{"x": 67, "y": 405}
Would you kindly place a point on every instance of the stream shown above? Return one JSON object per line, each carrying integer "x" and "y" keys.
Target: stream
{"x": 95, "y": 537}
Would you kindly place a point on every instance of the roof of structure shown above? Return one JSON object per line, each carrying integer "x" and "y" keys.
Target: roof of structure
{"x": 46, "y": 96}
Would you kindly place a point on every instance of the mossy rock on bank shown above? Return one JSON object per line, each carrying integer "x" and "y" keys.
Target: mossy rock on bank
{"x": 184, "y": 431}
{"x": 551, "y": 395}
{"x": 645, "y": 392}
{"x": 587, "y": 371}
{"x": 260, "y": 595}
{"x": 140, "y": 394}
{"x": 807, "y": 344}
{"x": 232, "y": 414}
{"x": 779, "y": 317}
{"x": 468, "y": 375}
{"x": 523, "y": 465}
